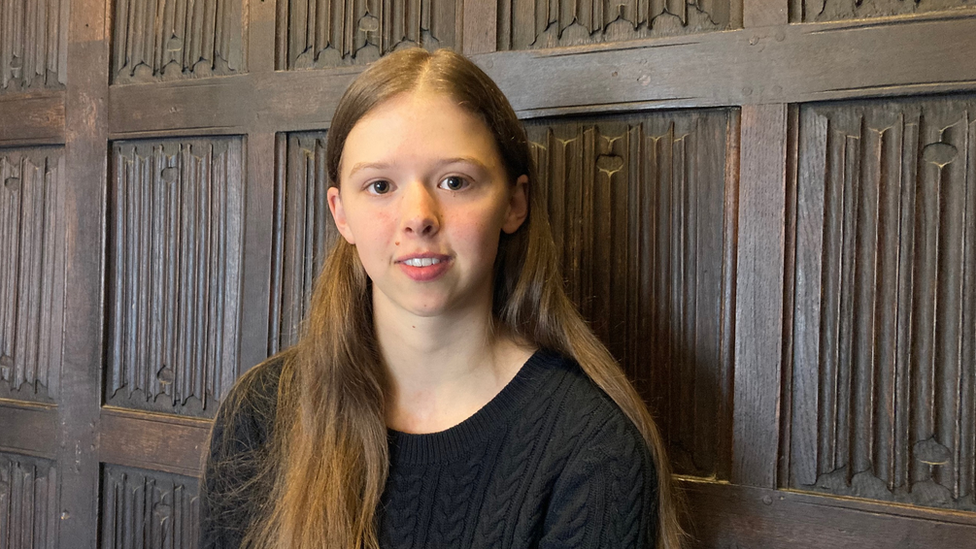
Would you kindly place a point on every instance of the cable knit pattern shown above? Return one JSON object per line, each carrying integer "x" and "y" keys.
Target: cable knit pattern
{"x": 551, "y": 462}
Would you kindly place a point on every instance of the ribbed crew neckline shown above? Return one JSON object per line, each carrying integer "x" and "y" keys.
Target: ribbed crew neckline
{"x": 455, "y": 442}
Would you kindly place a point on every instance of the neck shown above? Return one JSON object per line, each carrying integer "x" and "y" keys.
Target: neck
{"x": 444, "y": 368}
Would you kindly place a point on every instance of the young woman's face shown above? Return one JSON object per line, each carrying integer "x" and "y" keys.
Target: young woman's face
{"x": 424, "y": 198}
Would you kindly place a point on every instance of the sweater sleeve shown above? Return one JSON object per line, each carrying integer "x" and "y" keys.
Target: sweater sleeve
{"x": 232, "y": 488}
{"x": 606, "y": 496}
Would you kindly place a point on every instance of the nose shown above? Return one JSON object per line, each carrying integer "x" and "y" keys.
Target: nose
{"x": 420, "y": 210}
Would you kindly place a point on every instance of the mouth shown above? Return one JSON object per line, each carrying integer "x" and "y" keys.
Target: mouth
{"x": 425, "y": 267}
{"x": 421, "y": 261}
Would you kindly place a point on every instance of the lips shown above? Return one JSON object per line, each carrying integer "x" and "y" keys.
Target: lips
{"x": 424, "y": 267}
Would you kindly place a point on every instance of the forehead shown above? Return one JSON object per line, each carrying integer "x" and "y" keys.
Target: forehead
{"x": 415, "y": 126}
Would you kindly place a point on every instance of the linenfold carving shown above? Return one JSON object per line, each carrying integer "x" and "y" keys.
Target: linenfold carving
{"x": 306, "y": 236}
{"x": 33, "y": 44}
{"x": 637, "y": 207}
{"x": 175, "y": 253}
{"x": 28, "y": 502}
{"x": 329, "y": 33}
{"x": 32, "y": 245}
{"x": 176, "y": 39}
{"x": 884, "y": 375}
{"x": 148, "y": 509}
{"x": 529, "y": 24}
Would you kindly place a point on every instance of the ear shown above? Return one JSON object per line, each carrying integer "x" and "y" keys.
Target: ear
{"x": 339, "y": 214}
{"x": 518, "y": 205}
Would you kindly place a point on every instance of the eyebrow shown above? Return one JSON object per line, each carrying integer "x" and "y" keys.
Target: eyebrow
{"x": 445, "y": 162}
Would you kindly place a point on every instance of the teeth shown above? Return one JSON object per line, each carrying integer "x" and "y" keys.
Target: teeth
{"x": 422, "y": 261}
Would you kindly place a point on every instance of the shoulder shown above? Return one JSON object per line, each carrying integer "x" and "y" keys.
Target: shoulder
{"x": 605, "y": 489}
{"x": 587, "y": 414}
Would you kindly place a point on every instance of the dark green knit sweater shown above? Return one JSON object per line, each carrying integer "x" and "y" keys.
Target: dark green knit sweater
{"x": 550, "y": 462}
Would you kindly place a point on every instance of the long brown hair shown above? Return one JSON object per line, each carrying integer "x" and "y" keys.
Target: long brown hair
{"x": 329, "y": 459}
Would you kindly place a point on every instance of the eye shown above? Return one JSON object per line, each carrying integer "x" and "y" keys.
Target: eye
{"x": 454, "y": 183}
{"x": 379, "y": 187}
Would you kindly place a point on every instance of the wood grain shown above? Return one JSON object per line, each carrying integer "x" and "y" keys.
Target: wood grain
{"x": 151, "y": 441}
{"x": 740, "y": 516}
{"x": 807, "y": 11}
{"x": 759, "y": 295}
{"x": 175, "y": 257}
{"x": 86, "y": 154}
{"x": 885, "y": 362}
{"x": 35, "y": 118}
{"x": 28, "y": 429}
{"x": 33, "y": 45}
{"x": 764, "y": 13}
{"x": 638, "y": 207}
{"x": 32, "y": 241}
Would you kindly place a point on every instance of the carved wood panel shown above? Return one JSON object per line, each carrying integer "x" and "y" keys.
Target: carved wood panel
{"x": 28, "y": 503}
{"x": 884, "y": 365}
{"x": 174, "y": 266}
{"x": 176, "y": 39}
{"x": 329, "y": 33}
{"x": 638, "y": 209}
{"x": 529, "y": 24}
{"x": 33, "y": 44}
{"x": 32, "y": 245}
{"x": 305, "y": 232}
{"x": 808, "y": 11}
{"x": 148, "y": 509}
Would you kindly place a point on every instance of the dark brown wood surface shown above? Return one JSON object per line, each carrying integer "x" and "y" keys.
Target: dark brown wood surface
{"x": 765, "y": 207}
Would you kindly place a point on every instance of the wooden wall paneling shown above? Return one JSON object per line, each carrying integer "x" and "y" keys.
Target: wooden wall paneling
{"x": 158, "y": 442}
{"x": 306, "y": 232}
{"x": 532, "y": 24}
{"x": 28, "y": 502}
{"x": 332, "y": 33}
{"x": 157, "y": 40}
{"x": 35, "y": 118}
{"x": 638, "y": 209}
{"x": 744, "y": 516}
{"x": 759, "y": 295}
{"x": 796, "y": 63}
{"x": 770, "y": 65}
{"x": 808, "y": 11}
{"x": 175, "y": 261}
{"x": 86, "y": 152}
{"x": 33, "y": 45}
{"x": 29, "y": 429}
{"x": 32, "y": 241}
{"x": 143, "y": 509}
{"x": 886, "y": 301}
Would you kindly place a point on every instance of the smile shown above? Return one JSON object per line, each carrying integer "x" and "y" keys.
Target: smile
{"x": 421, "y": 261}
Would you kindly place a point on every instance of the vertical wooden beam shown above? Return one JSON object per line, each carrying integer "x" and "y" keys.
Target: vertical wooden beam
{"x": 258, "y": 223}
{"x": 479, "y": 26}
{"x": 759, "y": 295}
{"x": 86, "y": 150}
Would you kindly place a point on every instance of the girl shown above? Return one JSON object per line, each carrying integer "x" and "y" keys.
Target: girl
{"x": 445, "y": 392}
